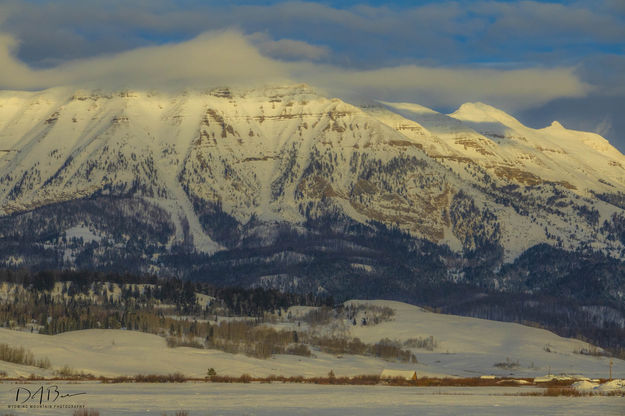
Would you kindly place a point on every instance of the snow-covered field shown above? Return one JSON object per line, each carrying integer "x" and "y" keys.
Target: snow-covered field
{"x": 201, "y": 399}
{"x": 466, "y": 347}
{"x": 469, "y": 347}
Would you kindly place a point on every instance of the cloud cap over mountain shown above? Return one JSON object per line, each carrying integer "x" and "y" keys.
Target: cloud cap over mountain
{"x": 230, "y": 58}
{"x": 515, "y": 55}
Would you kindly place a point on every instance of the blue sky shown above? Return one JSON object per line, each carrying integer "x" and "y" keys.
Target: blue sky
{"x": 546, "y": 59}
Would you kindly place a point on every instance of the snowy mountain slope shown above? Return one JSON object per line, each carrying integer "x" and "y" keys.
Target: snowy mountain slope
{"x": 272, "y": 153}
{"x": 556, "y": 170}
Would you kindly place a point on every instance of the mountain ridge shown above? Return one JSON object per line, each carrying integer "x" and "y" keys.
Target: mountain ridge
{"x": 289, "y": 188}
{"x": 127, "y": 123}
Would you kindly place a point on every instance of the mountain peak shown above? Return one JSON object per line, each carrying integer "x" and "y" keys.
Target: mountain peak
{"x": 479, "y": 112}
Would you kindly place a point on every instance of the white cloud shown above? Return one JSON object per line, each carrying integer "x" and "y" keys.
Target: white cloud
{"x": 512, "y": 89}
{"x": 14, "y": 74}
{"x": 230, "y": 58}
{"x": 215, "y": 58}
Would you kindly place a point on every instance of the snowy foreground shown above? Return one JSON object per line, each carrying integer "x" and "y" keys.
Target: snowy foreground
{"x": 201, "y": 399}
{"x": 466, "y": 347}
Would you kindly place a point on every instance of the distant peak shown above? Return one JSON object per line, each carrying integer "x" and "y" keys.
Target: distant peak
{"x": 477, "y": 112}
{"x": 556, "y": 124}
{"x": 480, "y": 113}
{"x": 478, "y": 105}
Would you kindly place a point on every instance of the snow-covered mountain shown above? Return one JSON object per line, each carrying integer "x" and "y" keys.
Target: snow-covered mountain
{"x": 547, "y": 185}
{"x": 93, "y": 178}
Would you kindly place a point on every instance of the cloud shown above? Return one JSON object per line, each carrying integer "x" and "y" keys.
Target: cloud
{"x": 15, "y": 74}
{"x": 288, "y": 49}
{"x": 599, "y": 113}
{"x": 215, "y": 58}
{"x": 556, "y": 24}
{"x": 443, "y": 33}
{"x": 606, "y": 72}
{"x": 230, "y": 58}
{"x": 617, "y": 6}
{"x": 511, "y": 89}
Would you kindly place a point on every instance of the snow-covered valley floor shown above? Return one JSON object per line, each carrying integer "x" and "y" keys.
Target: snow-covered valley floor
{"x": 202, "y": 399}
{"x": 466, "y": 347}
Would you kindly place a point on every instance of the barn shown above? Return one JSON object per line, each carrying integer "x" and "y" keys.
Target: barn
{"x": 403, "y": 374}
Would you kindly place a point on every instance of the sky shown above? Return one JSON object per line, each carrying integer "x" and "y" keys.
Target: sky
{"x": 539, "y": 60}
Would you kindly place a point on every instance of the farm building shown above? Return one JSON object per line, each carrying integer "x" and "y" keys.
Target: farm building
{"x": 403, "y": 374}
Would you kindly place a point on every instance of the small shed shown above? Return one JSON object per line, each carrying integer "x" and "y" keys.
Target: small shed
{"x": 403, "y": 374}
